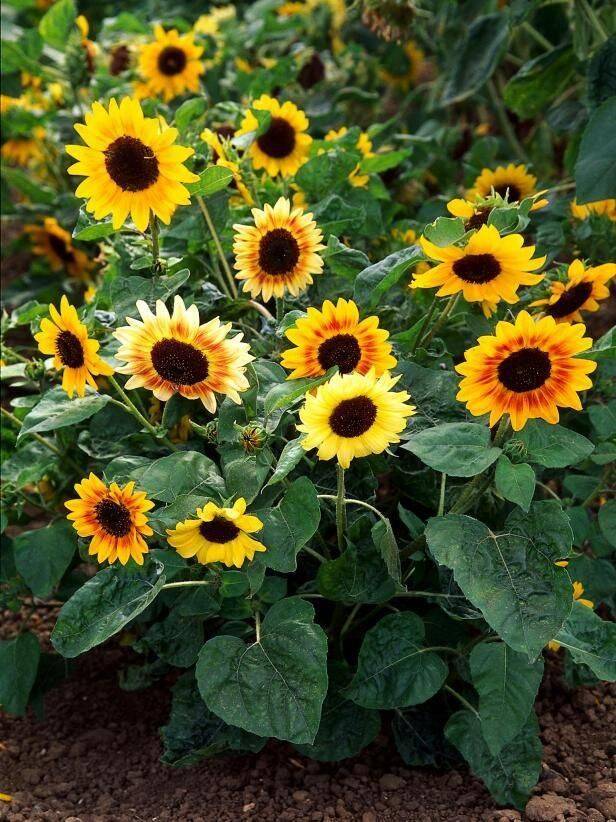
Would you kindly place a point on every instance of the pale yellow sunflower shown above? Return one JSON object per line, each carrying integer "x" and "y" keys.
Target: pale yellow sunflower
{"x": 602, "y": 208}
{"x": 513, "y": 183}
{"x": 170, "y": 66}
{"x": 582, "y": 291}
{"x": 51, "y": 241}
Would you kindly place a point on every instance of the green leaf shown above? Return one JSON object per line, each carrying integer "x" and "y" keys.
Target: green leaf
{"x": 602, "y": 73}
{"x": 552, "y": 445}
{"x": 433, "y": 391}
{"x": 515, "y": 482}
{"x": 476, "y": 57}
{"x": 213, "y": 179}
{"x": 103, "y": 606}
{"x": 383, "y": 162}
{"x": 607, "y": 521}
{"x": 507, "y": 684}
{"x": 289, "y": 526}
{"x": 88, "y": 230}
{"x": 394, "y": 669}
{"x": 460, "y": 449}
{"x": 358, "y": 575}
{"x": 286, "y": 394}
{"x": 376, "y": 280}
{"x": 19, "y": 659}
{"x": 420, "y": 741}
{"x": 176, "y": 640}
{"x": 511, "y": 577}
{"x": 55, "y": 410}
{"x": 124, "y": 292}
{"x": 56, "y": 24}
{"x": 591, "y": 641}
{"x": 603, "y": 419}
{"x": 275, "y": 686}
{"x": 34, "y": 191}
{"x": 342, "y": 260}
{"x": 384, "y": 541}
{"x": 289, "y": 458}
{"x": 509, "y": 775}
{"x": 188, "y": 111}
{"x": 42, "y": 556}
{"x": 445, "y": 231}
{"x": 595, "y": 169}
{"x": 179, "y": 474}
{"x": 325, "y": 173}
{"x": 539, "y": 82}
{"x": 603, "y": 349}
{"x": 194, "y": 733}
{"x": 28, "y": 465}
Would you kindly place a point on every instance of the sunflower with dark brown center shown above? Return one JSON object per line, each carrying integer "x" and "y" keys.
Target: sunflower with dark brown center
{"x": 279, "y": 253}
{"x": 283, "y": 146}
{"x": 581, "y": 291}
{"x": 354, "y": 415}
{"x": 115, "y": 519}
{"x": 170, "y": 66}
{"x": 66, "y": 339}
{"x": 335, "y": 336}
{"x": 512, "y": 183}
{"x": 218, "y": 535}
{"x": 51, "y": 241}
{"x": 489, "y": 268}
{"x": 527, "y": 370}
{"x": 176, "y": 354}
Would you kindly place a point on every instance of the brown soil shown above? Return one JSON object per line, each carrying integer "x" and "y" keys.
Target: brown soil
{"x": 95, "y": 758}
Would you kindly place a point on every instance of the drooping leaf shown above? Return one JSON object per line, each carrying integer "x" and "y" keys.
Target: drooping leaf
{"x": 290, "y": 456}
{"x": 43, "y": 555}
{"x": 376, "y": 280}
{"x": 57, "y": 23}
{"x": 184, "y": 472}
{"x": 55, "y": 410}
{"x": 515, "y": 481}
{"x": 289, "y": 526}
{"x": 595, "y": 169}
{"x": 553, "y": 445}
{"x": 358, "y": 575}
{"x": 539, "y": 82}
{"x": 213, "y": 179}
{"x": 460, "y": 449}
{"x": 591, "y": 641}
{"x": 477, "y": 57}
{"x": 19, "y": 659}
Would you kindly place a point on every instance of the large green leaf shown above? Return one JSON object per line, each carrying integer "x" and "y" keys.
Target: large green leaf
{"x": 184, "y": 472}
{"x": 595, "y": 169}
{"x": 55, "y": 410}
{"x": 42, "y": 556}
{"x": 275, "y": 686}
{"x": 507, "y": 685}
{"x": 19, "y": 659}
{"x": 511, "y": 577}
{"x": 358, "y": 575}
{"x": 607, "y": 521}
{"x": 509, "y": 775}
{"x": 552, "y": 445}
{"x": 460, "y": 449}
{"x": 176, "y": 639}
{"x": 476, "y": 57}
{"x": 539, "y": 81}
{"x": 418, "y": 734}
{"x": 325, "y": 173}
{"x": 394, "y": 669}
{"x": 289, "y": 526}
{"x": 290, "y": 456}
{"x": 57, "y": 23}
{"x": 515, "y": 481}
{"x": 433, "y": 391}
{"x": 104, "y": 605}
{"x": 376, "y": 280}
{"x": 123, "y": 292}
{"x": 213, "y": 179}
{"x": 591, "y": 641}
{"x": 602, "y": 73}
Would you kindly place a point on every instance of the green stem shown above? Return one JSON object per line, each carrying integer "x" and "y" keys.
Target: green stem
{"x": 314, "y": 553}
{"x": 218, "y": 244}
{"x": 461, "y": 699}
{"x": 441, "y": 500}
{"x": 12, "y": 353}
{"x": 279, "y": 310}
{"x": 424, "y": 325}
{"x": 258, "y": 626}
{"x": 350, "y": 619}
{"x": 505, "y": 123}
{"x": 594, "y": 20}
{"x": 154, "y": 231}
{"x": 480, "y": 483}
{"x": 340, "y": 507}
{"x": 261, "y": 309}
{"x": 186, "y": 583}
{"x": 131, "y": 408}
{"x": 49, "y": 445}
{"x": 449, "y": 307}
{"x": 537, "y": 36}
{"x": 548, "y": 489}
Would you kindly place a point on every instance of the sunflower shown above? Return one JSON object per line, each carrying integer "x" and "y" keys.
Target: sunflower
{"x": 526, "y": 370}
{"x": 175, "y": 354}
{"x": 364, "y": 144}
{"x": 130, "y": 165}
{"x": 403, "y": 65}
{"x": 67, "y": 340}
{"x": 578, "y": 590}
{"x": 218, "y": 535}
{"x": 604, "y": 208}
{"x": 210, "y": 23}
{"x": 354, "y": 415}
{"x": 170, "y": 65}
{"x": 336, "y": 336}
{"x": 284, "y": 146}
{"x": 513, "y": 183}
{"x": 114, "y": 517}
{"x": 25, "y": 151}
{"x": 214, "y": 139}
{"x": 584, "y": 288}
{"x": 474, "y": 214}
{"x": 279, "y": 252}
{"x": 50, "y": 240}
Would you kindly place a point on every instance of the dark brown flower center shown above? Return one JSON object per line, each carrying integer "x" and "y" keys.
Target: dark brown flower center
{"x": 120, "y": 60}
{"x": 569, "y": 301}
{"x": 352, "y": 418}
{"x": 171, "y": 60}
{"x": 113, "y": 517}
{"x": 342, "y": 350}
{"x": 478, "y": 219}
{"x": 508, "y": 191}
{"x": 312, "y": 72}
{"x": 278, "y": 252}
{"x": 131, "y": 164}
{"x": 220, "y": 530}
{"x": 477, "y": 268}
{"x": 70, "y": 349}
{"x": 61, "y": 249}
{"x": 525, "y": 370}
{"x": 279, "y": 140}
{"x": 179, "y": 362}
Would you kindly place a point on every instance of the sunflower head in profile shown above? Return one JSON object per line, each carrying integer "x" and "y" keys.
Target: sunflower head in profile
{"x": 527, "y": 370}
{"x": 115, "y": 518}
{"x": 488, "y": 268}
{"x": 354, "y": 415}
{"x": 600, "y": 208}
{"x": 335, "y": 336}
{"x": 283, "y": 147}
{"x": 364, "y": 145}
{"x": 66, "y": 339}
{"x": 512, "y": 183}
{"x": 403, "y": 65}
{"x": 279, "y": 253}
{"x": 218, "y": 535}
{"x": 582, "y": 291}
{"x": 130, "y": 164}
{"x": 51, "y": 241}
{"x": 170, "y": 65}
{"x": 169, "y": 354}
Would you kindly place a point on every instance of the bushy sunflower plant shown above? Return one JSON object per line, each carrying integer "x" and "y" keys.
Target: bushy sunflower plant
{"x": 308, "y": 370}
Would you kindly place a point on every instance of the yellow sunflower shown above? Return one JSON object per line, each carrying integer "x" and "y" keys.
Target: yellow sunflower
{"x": 364, "y": 144}
{"x": 336, "y": 336}
{"x": 130, "y": 165}
{"x": 170, "y": 65}
{"x": 279, "y": 253}
{"x": 284, "y": 146}
{"x": 488, "y": 268}
{"x": 585, "y": 286}
{"x": 404, "y": 66}
{"x": 215, "y": 140}
{"x": 114, "y": 517}
{"x": 50, "y": 240}
{"x": 66, "y": 339}
{"x": 25, "y": 151}
{"x": 474, "y": 214}
{"x": 354, "y": 415}
{"x": 210, "y": 23}
{"x": 526, "y": 370}
{"x": 176, "y": 354}
{"x": 218, "y": 535}
{"x": 605, "y": 208}
{"x": 578, "y": 590}
{"x": 513, "y": 183}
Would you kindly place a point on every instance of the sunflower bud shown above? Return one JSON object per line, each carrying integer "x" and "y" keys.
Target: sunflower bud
{"x": 77, "y": 61}
{"x": 35, "y": 370}
{"x": 515, "y": 450}
{"x": 390, "y": 20}
{"x": 252, "y": 438}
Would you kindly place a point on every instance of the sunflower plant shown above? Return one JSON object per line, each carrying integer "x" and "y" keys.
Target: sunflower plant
{"x": 308, "y": 371}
